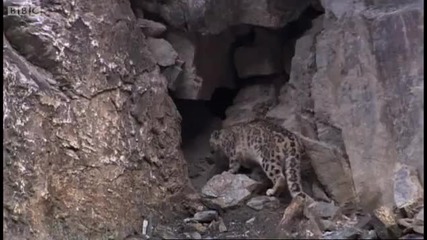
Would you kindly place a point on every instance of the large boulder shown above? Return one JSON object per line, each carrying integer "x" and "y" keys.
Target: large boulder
{"x": 357, "y": 81}
{"x": 228, "y": 190}
{"x": 91, "y": 138}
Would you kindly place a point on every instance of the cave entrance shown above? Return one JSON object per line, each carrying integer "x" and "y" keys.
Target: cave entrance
{"x": 199, "y": 119}
{"x": 238, "y": 87}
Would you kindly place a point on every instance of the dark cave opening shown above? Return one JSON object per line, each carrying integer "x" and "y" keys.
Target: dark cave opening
{"x": 222, "y": 97}
{"x": 201, "y": 117}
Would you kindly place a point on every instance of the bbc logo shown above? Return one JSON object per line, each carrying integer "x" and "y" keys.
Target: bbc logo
{"x": 22, "y": 10}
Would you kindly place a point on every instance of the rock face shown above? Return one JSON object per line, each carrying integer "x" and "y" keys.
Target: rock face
{"x": 91, "y": 138}
{"x": 213, "y": 16}
{"x": 356, "y": 84}
{"x": 359, "y": 88}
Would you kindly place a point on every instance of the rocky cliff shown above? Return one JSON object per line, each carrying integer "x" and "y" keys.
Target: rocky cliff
{"x": 91, "y": 137}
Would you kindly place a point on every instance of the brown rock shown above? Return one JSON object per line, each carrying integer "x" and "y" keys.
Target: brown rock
{"x": 85, "y": 134}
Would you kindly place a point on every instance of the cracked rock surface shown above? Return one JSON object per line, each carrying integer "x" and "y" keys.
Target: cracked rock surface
{"x": 86, "y": 119}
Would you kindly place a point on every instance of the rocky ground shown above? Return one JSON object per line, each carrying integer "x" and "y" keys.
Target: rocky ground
{"x": 233, "y": 208}
{"x": 241, "y": 215}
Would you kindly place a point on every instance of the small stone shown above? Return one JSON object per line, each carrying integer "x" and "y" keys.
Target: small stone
{"x": 250, "y": 221}
{"x": 203, "y": 217}
{"x": 15, "y": 218}
{"x": 328, "y": 225}
{"x": 259, "y": 202}
{"x": 343, "y": 233}
{"x": 206, "y": 216}
{"x": 198, "y": 227}
{"x": 164, "y": 232}
{"x": 196, "y": 235}
{"x": 193, "y": 235}
{"x": 213, "y": 225}
{"x": 221, "y": 226}
{"x": 144, "y": 227}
